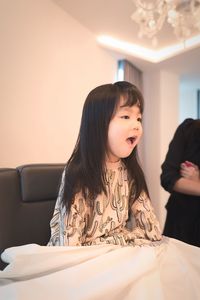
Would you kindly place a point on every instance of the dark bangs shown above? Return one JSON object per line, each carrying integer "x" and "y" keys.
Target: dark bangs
{"x": 131, "y": 94}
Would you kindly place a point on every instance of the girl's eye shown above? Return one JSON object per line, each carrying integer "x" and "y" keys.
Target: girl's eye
{"x": 125, "y": 117}
{"x": 139, "y": 120}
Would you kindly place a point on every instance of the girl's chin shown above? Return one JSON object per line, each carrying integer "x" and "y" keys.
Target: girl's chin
{"x": 125, "y": 155}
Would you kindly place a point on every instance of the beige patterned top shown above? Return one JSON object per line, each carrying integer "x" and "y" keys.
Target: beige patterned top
{"x": 107, "y": 222}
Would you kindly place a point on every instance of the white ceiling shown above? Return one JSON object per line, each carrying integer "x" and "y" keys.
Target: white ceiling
{"x": 113, "y": 18}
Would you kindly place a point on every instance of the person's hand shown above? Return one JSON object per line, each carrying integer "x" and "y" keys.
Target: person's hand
{"x": 190, "y": 171}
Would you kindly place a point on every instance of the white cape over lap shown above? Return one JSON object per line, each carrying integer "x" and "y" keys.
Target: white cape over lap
{"x": 169, "y": 271}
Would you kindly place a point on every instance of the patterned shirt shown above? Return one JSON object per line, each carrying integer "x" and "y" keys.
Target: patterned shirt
{"x": 108, "y": 221}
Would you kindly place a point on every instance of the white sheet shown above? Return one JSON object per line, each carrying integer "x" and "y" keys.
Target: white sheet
{"x": 168, "y": 271}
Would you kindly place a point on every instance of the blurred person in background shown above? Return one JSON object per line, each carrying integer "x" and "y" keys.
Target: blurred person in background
{"x": 181, "y": 178}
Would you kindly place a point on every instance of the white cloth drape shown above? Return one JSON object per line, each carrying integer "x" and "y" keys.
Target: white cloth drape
{"x": 167, "y": 271}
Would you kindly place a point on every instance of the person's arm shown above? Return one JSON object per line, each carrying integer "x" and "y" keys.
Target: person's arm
{"x": 189, "y": 183}
{"x": 147, "y": 225}
{"x": 190, "y": 171}
{"x": 187, "y": 186}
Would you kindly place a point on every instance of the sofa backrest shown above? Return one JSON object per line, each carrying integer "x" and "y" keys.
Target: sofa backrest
{"x": 27, "y": 199}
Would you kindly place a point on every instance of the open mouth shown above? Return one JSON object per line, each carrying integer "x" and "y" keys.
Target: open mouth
{"x": 131, "y": 140}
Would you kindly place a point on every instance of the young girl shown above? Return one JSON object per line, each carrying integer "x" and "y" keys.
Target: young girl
{"x": 103, "y": 185}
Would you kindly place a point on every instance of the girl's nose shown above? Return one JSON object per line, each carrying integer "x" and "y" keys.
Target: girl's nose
{"x": 136, "y": 126}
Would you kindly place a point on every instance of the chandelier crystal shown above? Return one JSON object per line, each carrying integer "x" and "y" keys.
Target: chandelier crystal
{"x": 182, "y": 15}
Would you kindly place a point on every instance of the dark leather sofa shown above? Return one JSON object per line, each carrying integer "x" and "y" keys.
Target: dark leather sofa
{"x": 27, "y": 199}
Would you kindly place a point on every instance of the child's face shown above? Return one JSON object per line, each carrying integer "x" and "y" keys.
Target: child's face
{"x": 124, "y": 131}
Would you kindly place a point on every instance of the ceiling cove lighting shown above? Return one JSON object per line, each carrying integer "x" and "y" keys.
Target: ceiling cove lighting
{"x": 147, "y": 54}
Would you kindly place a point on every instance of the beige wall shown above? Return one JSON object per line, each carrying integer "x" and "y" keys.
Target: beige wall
{"x": 49, "y": 63}
{"x": 161, "y": 91}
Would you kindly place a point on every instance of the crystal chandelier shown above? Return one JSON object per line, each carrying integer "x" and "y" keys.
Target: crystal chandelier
{"x": 183, "y": 16}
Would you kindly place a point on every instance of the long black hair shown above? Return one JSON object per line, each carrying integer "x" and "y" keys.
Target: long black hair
{"x": 85, "y": 170}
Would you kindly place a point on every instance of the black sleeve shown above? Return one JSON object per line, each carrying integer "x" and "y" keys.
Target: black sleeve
{"x": 175, "y": 156}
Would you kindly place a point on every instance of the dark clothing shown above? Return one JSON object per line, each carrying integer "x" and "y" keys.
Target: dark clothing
{"x": 183, "y": 211}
